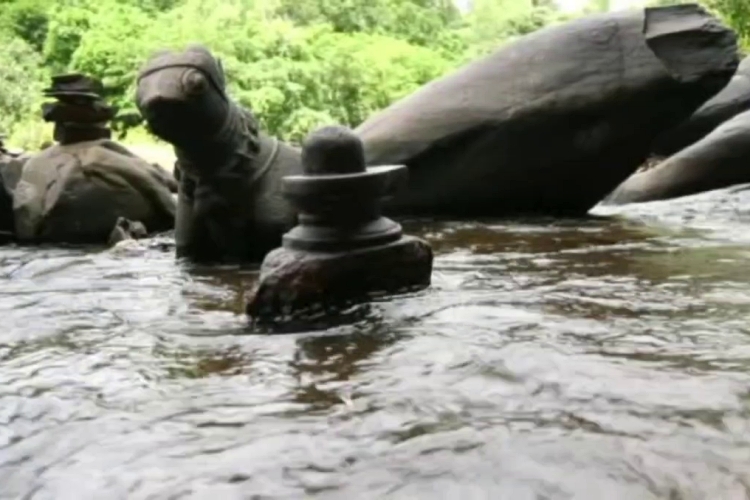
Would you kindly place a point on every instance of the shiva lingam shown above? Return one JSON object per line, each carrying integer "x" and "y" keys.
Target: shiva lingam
{"x": 79, "y": 110}
{"x": 343, "y": 250}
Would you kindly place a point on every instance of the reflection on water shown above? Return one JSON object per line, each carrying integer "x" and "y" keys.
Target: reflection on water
{"x": 599, "y": 358}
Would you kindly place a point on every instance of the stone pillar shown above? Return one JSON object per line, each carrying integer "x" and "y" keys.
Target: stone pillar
{"x": 79, "y": 111}
{"x": 343, "y": 250}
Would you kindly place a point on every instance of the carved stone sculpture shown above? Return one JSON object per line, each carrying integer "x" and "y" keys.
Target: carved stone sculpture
{"x": 343, "y": 249}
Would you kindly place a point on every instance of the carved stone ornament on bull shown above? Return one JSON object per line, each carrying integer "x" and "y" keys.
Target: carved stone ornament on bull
{"x": 79, "y": 111}
{"x": 343, "y": 250}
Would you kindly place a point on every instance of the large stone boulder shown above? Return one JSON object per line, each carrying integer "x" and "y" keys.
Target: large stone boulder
{"x": 721, "y": 159}
{"x": 554, "y": 121}
{"x": 731, "y": 101}
{"x": 76, "y": 193}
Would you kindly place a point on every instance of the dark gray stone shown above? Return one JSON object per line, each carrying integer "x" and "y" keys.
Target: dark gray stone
{"x": 75, "y": 194}
{"x": 721, "y": 159}
{"x": 551, "y": 123}
{"x": 127, "y": 230}
{"x": 293, "y": 283}
{"x": 11, "y": 167}
{"x": 731, "y": 101}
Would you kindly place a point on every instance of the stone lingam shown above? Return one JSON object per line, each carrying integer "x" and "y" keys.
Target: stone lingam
{"x": 76, "y": 191}
{"x": 342, "y": 251}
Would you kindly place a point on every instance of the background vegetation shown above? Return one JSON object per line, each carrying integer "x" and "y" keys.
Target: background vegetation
{"x": 297, "y": 63}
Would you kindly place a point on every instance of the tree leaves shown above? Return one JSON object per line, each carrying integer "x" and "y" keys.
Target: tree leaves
{"x": 297, "y": 64}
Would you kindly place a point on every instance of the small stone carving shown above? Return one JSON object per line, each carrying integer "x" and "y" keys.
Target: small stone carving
{"x": 76, "y": 190}
{"x": 126, "y": 230}
{"x": 342, "y": 250}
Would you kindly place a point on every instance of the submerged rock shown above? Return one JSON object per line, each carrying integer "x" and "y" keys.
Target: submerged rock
{"x": 731, "y": 101}
{"x": 126, "y": 230}
{"x": 11, "y": 166}
{"x": 719, "y": 160}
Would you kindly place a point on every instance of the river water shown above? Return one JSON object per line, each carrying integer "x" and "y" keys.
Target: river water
{"x": 596, "y": 359}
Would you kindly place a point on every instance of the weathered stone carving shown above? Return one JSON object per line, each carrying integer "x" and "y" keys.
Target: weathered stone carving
{"x": 76, "y": 190}
{"x": 343, "y": 249}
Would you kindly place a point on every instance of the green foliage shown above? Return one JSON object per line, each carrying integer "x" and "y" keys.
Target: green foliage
{"x": 25, "y": 19}
{"x": 21, "y": 81}
{"x": 324, "y": 61}
{"x": 493, "y": 22}
{"x": 296, "y": 63}
{"x": 422, "y": 22}
{"x": 735, "y": 13}
{"x": 64, "y": 33}
{"x": 361, "y": 74}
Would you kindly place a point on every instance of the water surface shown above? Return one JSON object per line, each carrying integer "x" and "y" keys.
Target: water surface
{"x": 593, "y": 359}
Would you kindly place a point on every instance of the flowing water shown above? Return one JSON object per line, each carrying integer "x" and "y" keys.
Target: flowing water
{"x": 595, "y": 359}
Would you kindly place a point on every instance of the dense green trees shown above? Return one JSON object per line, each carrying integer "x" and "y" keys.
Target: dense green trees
{"x": 296, "y": 63}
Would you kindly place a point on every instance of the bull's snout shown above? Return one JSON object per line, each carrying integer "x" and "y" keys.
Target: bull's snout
{"x": 166, "y": 117}
{"x": 179, "y": 105}
{"x": 171, "y": 85}
{"x": 163, "y": 105}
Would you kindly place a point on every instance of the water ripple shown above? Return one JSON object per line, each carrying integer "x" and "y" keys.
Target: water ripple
{"x": 574, "y": 359}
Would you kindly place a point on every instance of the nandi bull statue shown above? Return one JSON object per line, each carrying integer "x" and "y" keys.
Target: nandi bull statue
{"x": 548, "y": 124}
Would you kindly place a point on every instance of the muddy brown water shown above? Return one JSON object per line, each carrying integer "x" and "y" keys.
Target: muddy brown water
{"x": 594, "y": 359}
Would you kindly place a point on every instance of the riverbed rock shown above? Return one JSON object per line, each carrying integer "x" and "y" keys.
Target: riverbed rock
{"x": 294, "y": 284}
{"x": 75, "y": 193}
{"x": 126, "y": 230}
{"x": 731, "y": 101}
{"x": 719, "y": 160}
{"x": 11, "y": 166}
{"x": 169, "y": 179}
{"x": 554, "y": 121}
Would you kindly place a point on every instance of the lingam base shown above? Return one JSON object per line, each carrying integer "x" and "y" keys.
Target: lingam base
{"x": 295, "y": 283}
